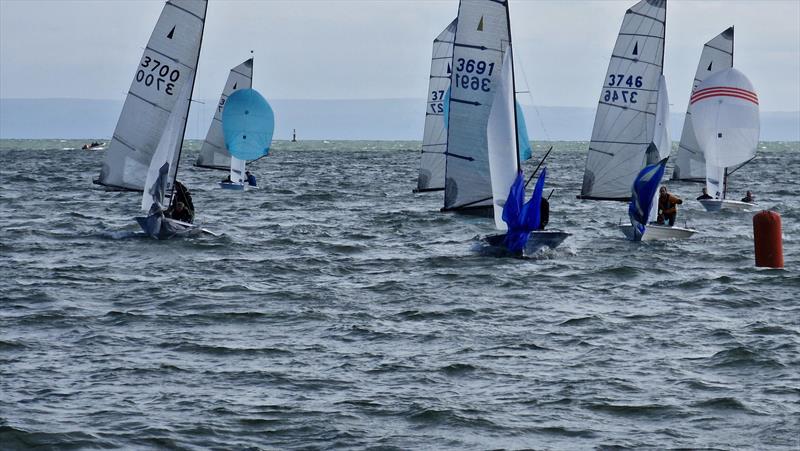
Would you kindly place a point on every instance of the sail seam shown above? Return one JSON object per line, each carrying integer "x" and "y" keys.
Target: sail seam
{"x": 646, "y": 16}
{"x": 642, "y": 35}
{"x": 147, "y": 101}
{"x": 635, "y": 60}
{"x": 187, "y": 11}
{"x": 626, "y": 108}
{"x": 169, "y": 58}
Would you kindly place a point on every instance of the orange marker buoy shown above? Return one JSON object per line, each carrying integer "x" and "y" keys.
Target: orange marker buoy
{"x": 768, "y": 239}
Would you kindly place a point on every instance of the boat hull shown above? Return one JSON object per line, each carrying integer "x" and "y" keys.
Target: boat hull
{"x": 538, "y": 240}
{"x": 231, "y": 186}
{"x": 659, "y": 232}
{"x": 159, "y": 227}
{"x": 725, "y": 204}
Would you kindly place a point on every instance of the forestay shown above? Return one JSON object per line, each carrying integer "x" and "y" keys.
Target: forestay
{"x": 482, "y": 36}
{"x": 166, "y": 67}
{"x": 717, "y": 56}
{"x": 625, "y": 119}
{"x": 725, "y": 118}
{"x": 213, "y": 153}
{"x": 434, "y": 141}
{"x": 501, "y": 136}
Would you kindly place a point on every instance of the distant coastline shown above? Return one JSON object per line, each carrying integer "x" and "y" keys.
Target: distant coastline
{"x": 366, "y": 119}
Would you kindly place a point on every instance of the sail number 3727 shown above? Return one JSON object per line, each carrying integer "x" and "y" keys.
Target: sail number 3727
{"x": 622, "y": 81}
{"x": 467, "y": 74}
{"x": 158, "y": 75}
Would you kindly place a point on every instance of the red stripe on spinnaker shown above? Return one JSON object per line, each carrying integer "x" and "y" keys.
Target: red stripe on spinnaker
{"x": 710, "y": 95}
{"x": 743, "y": 92}
{"x": 739, "y": 92}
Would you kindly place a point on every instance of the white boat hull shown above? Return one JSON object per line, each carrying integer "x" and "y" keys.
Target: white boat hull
{"x": 231, "y": 186}
{"x": 725, "y": 204}
{"x": 656, "y": 232}
{"x": 160, "y": 227}
{"x": 538, "y": 240}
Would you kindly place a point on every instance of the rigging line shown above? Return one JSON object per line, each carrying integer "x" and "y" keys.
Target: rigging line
{"x": 521, "y": 66}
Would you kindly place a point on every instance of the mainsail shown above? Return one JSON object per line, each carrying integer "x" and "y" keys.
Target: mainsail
{"x": 622, "y": 138}
{"x": 168, "y": 64}
{"x": 482, "y": 37}
{"x": 726, "y": 122}
{"x": 214, "y": 154}
{"x": 434, "y": 141}
{"x": 717, "y": 56}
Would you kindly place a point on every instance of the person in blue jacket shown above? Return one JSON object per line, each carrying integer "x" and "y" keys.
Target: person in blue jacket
{"x": 251, "y": 179}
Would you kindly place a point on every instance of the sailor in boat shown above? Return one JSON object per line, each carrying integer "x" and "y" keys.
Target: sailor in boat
{"x": 227, "y": 179}
{"x": 180, "y": 212}
{"x": 183, "y": 198}
{"x": 251, "y": 179}
{"x": 544, "y": 213}
{"x": 705, "y": 195}
{"x": 749, "y": 198}
{"x": 667, "y": 207}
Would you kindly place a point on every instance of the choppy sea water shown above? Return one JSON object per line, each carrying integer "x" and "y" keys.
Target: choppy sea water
{"x": 339, "y": 310}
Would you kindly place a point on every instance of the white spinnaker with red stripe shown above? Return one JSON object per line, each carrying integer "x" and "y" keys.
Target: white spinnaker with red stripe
{"x": 717, "y": 56}
{"x": 726, "y": 123}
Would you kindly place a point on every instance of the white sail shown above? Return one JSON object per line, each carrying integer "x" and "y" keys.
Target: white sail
{"x": 624, "y": 124}
{"x": 482, "y": 35}
{"x": 167, "y": 65}
{"x": 661, "y": 138}
{"x": 434, "y": 141}
{"x": 717, "y": 55}
{"x": 237, "y": 170}
{"x": 501, "y": 137}
{"x": 167, "y": 150}
{"x": 725, "y": 117}
{"x": 213, "y": 153}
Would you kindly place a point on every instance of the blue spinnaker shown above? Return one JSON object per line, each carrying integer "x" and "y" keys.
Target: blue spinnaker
{"x": 525, "y": 150}
{"x": 522, "y": 219}
{"x": 248, "y": 124}
{"x": 642, "y": 196}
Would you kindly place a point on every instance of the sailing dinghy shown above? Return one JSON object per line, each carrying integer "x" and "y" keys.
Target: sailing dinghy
{"x": 690, "y": 164}
{"x": 624, "y": 126}
{"x": 146, "y": 146}
{"x": 434, "y": 142}
{"x": 725, "y": 117}
{"x": 520, "y": 221}
{"x": 213, "y": 153}
{"x": 247, "y": 124}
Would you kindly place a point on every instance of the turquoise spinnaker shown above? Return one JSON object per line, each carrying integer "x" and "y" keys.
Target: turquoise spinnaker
{"x": 525, "y": 151}
{"x": 248, "y": 124}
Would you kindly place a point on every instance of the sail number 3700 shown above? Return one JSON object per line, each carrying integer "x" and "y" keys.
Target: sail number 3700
{"x": 159, "y": 75}
{"x": 467, "y": 74}
{"x": 624, "y": 95}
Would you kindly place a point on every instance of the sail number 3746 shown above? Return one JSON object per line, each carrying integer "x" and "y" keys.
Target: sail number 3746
{"x": 464, "y": 77}
{"x": 159, "y": 75}
{"x": 624, "y": 95}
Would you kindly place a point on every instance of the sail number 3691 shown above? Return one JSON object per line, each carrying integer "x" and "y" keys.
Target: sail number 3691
{"x": 620, "y": 80}
{"x": 159, "y": 75}
{"x": 464, "y": 78}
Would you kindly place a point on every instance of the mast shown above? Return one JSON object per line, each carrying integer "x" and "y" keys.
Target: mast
{"x": 186, "y": 119}
{"x": 513, "y": 83}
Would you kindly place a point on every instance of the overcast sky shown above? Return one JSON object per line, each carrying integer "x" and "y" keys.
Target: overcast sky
{"x": 367, "y": 49}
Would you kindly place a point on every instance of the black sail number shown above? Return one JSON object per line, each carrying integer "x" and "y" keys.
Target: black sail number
{"x": 158, "y": 76}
